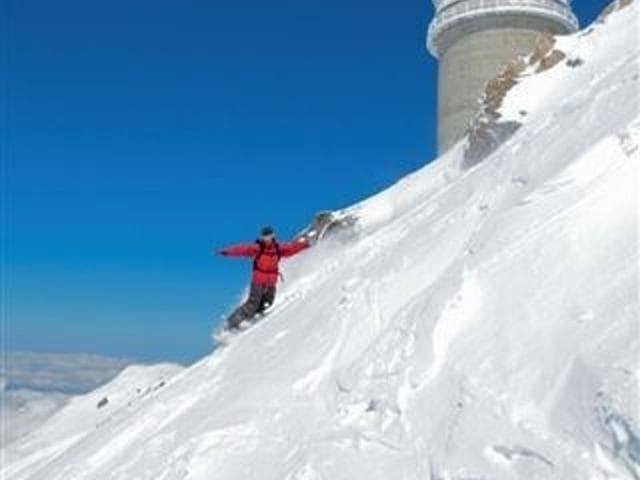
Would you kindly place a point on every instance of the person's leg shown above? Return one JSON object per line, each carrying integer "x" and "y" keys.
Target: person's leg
{"x": 268, "y": 297}
{"x": 248, "y": 309}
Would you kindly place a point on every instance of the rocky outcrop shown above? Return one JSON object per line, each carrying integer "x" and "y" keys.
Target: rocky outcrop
{"x": 487, "y": 130}
{"x": 327, "y": 223}
{"x": 545, "y": 55}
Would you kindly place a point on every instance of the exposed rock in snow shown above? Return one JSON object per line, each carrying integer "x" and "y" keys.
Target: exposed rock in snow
{"x": 85, "y": 414}
{"x": 480, "y": 323}
{"x": 488, "y": 130}
{"x": 36, "y": 385}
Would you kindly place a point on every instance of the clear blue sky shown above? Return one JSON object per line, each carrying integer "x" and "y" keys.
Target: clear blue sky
{"x": 143, "y": 133}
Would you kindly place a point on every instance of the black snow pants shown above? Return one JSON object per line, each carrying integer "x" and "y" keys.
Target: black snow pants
{"x": 260, "y": 298}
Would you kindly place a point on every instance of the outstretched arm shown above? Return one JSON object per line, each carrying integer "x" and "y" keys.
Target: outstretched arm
{"x": 240, "y": 251}
{"x": 293, "y": 248}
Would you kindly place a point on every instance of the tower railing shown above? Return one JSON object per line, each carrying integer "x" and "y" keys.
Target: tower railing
{"x": 557, "y": 10}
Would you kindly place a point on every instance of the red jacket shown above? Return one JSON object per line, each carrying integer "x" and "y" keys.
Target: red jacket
{"x": 266, "y": 258}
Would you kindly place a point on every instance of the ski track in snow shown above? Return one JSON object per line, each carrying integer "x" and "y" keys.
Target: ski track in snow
{"x": 476, "y": 324}
{"x": 458, "y": 314}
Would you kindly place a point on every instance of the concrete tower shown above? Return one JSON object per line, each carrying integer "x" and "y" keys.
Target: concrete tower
{"x": 474, "y": 40}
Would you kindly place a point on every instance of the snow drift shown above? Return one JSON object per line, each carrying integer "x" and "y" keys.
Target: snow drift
{"x": 479, "y": 324}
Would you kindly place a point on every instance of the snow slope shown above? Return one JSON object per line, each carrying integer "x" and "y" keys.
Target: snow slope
{"x": 479, "y": 324}
{"x": 22, "y": 411}
{"x": 34, "y": 386}
{"x": 84, "y": 414}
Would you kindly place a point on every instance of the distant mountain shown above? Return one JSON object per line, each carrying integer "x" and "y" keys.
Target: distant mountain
{"x": 36, "y": 385}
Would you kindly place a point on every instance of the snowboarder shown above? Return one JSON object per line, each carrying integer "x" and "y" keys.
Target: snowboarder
{"x": 266, "y": 253}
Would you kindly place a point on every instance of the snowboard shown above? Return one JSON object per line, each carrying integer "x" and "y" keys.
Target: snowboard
{"x": 224, "y": 336}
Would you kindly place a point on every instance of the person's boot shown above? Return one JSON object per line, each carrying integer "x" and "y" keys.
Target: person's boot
{"x": 234, "y": 321}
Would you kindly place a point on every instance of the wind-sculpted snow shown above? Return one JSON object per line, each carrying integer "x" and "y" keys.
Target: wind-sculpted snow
{"x": 480, "y": 324}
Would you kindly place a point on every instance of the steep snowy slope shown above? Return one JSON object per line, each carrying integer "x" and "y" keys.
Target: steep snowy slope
{"x": 478, "y": 324}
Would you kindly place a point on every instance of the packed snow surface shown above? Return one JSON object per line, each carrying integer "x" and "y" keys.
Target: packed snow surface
{"x": 476, "y": 324}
